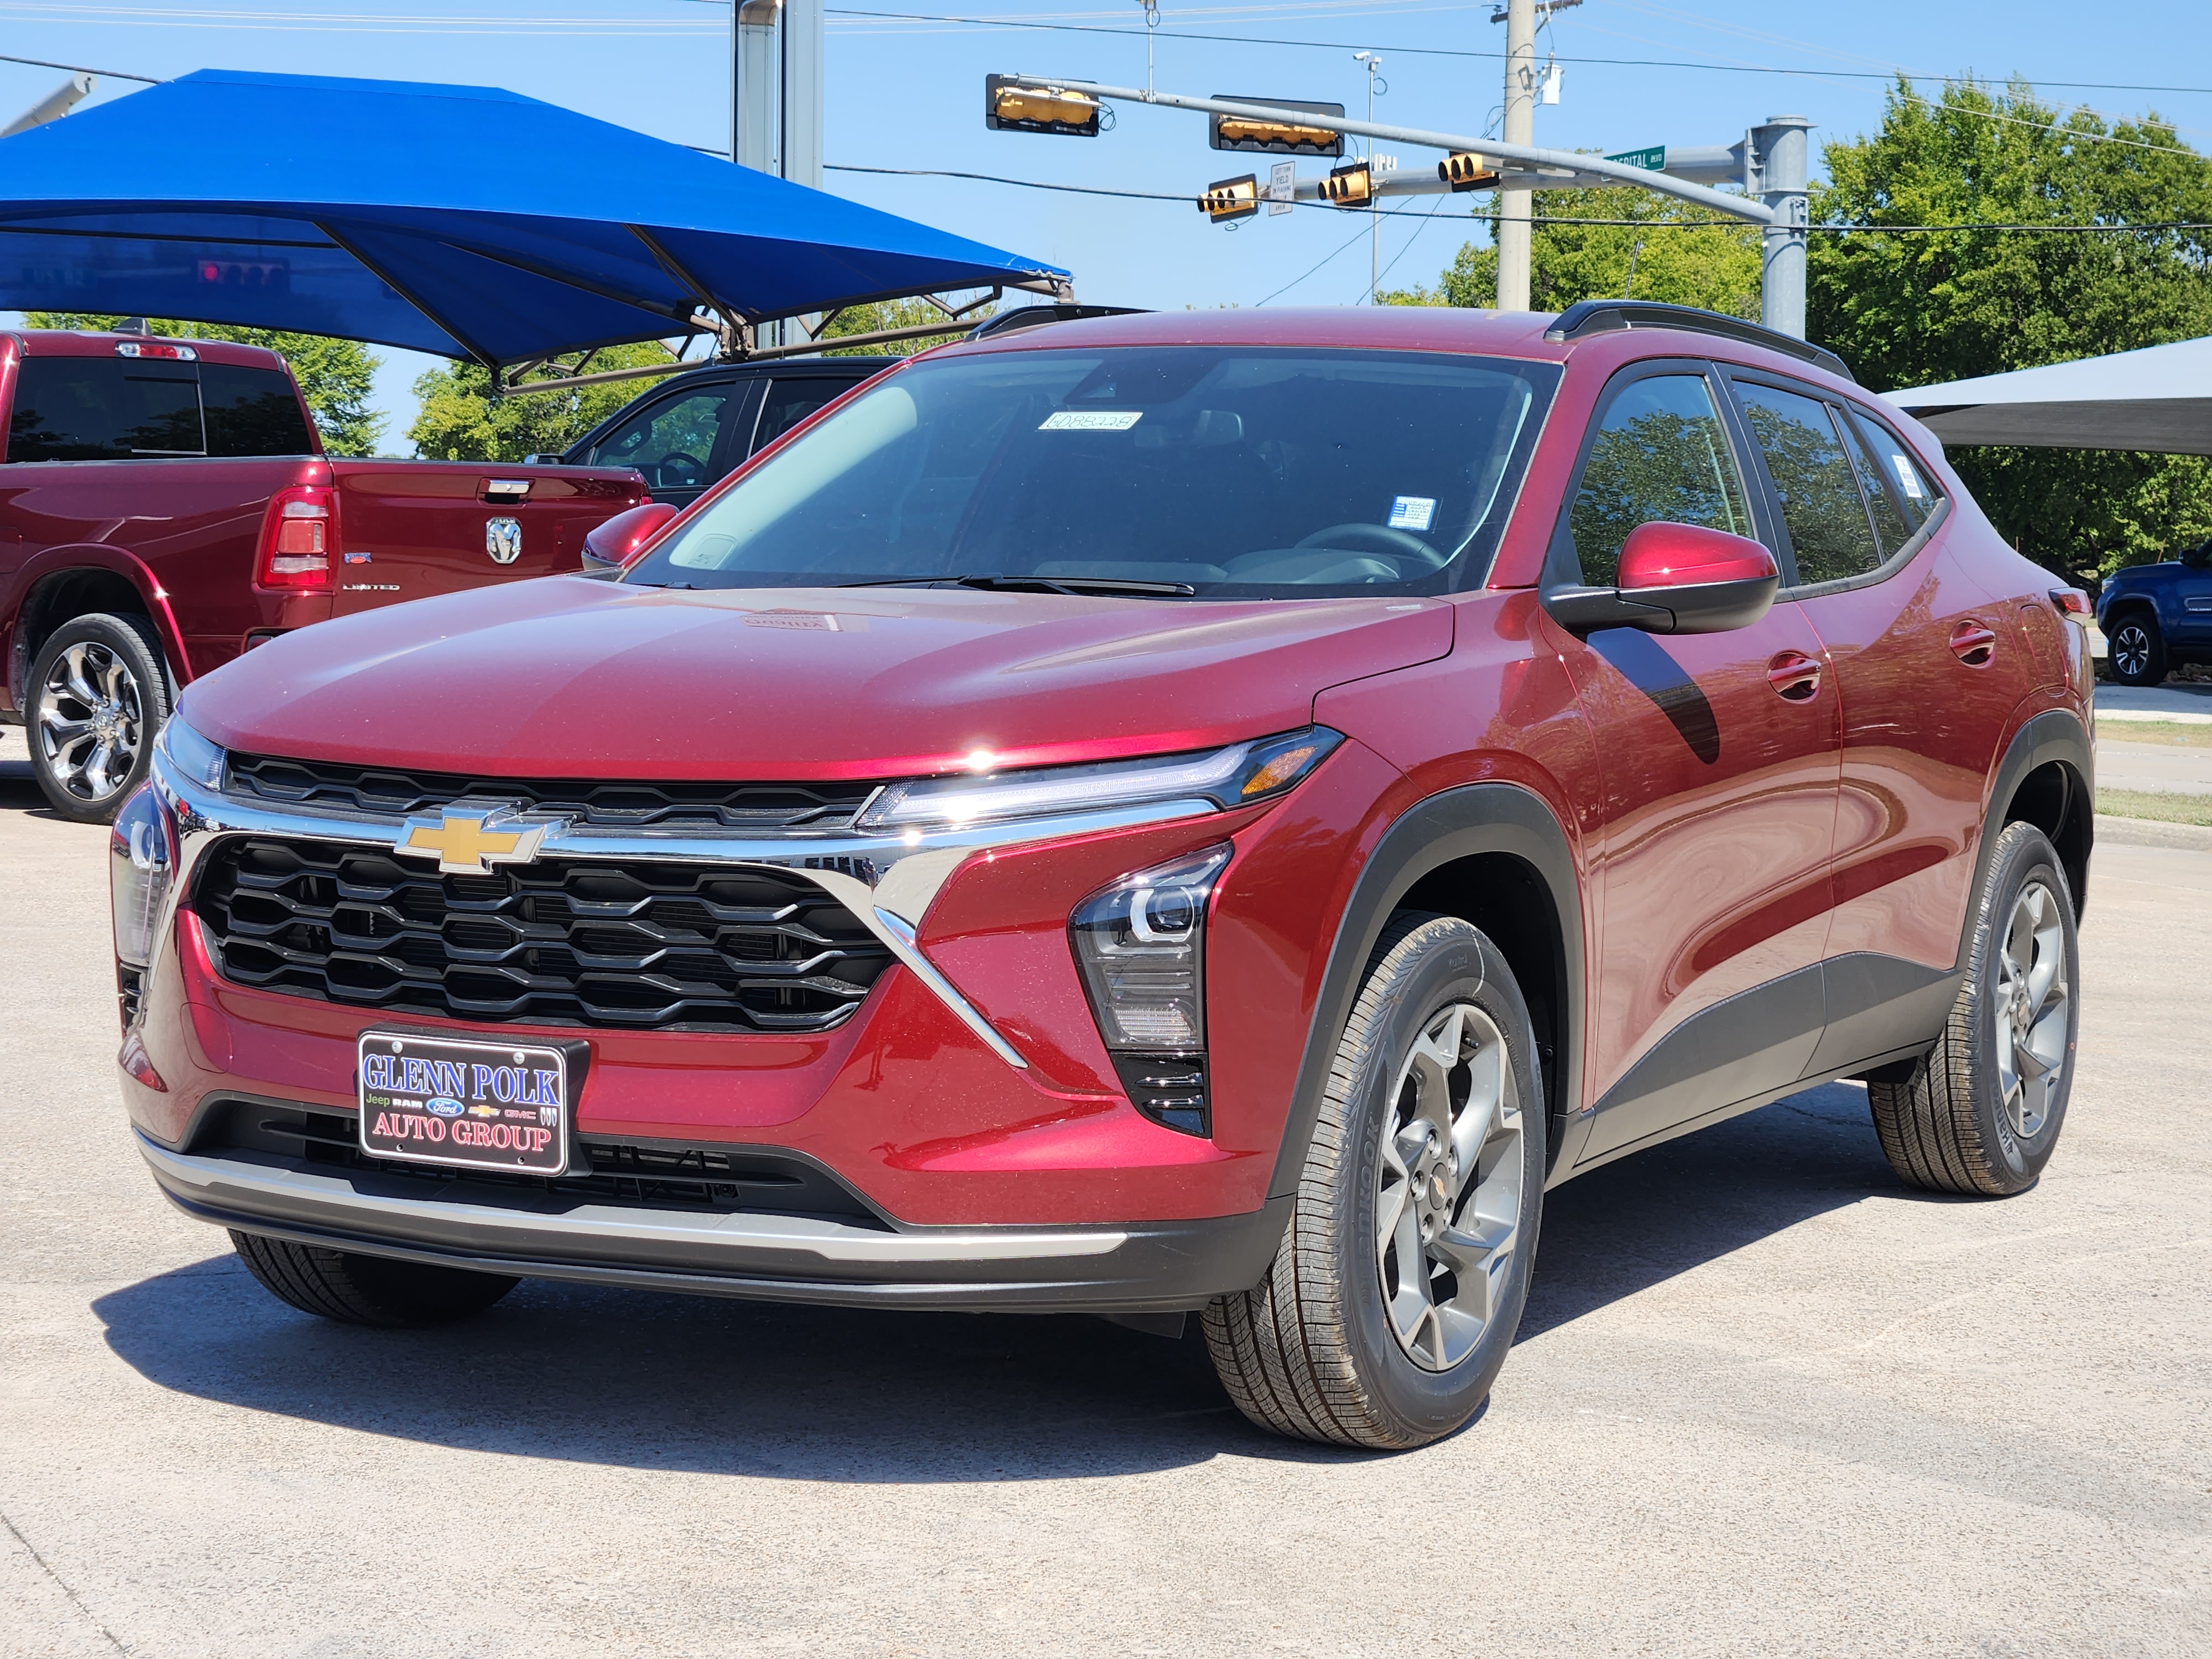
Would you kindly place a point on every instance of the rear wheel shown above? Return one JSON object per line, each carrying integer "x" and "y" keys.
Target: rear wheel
{"x": 2137, "y": 649}
{"x": 366, "y": 1290}
{"x": 1392, "y": 1302}
{"x": 98, "y": 694}
{"x": 1981, "y": 1113}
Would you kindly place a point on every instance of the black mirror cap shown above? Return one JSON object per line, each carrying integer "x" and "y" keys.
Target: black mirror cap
{"x": 1695, "y": 608}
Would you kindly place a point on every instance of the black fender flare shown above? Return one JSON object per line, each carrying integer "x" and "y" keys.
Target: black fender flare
{"x": 2056, "y": 734}
{"x": 1458, "y": 823}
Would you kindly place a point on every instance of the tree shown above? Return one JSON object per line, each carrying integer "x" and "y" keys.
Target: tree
{"x": 336, "y": 376}
{"x": 897, "y": 313}
{"x": 1922, "y": 309}
{"x": 463, "y": 419}
{"x": 1669, "y": 251}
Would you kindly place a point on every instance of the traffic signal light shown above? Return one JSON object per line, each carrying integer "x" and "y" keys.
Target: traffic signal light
{"x": 1271, "y": 133}
{"x": 1350, "y": 186}
{"x": 1464, "y": 170}
{"x": 1230, "y": 198}
{"x": 1013, "y": 105}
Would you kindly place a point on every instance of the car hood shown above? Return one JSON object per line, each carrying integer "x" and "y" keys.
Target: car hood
{"x": 567, "y": 676}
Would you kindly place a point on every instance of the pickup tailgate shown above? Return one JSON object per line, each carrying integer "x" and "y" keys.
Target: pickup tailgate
{"x": 409, "y": 529}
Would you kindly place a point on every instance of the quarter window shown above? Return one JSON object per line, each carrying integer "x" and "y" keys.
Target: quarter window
{"x": 1821, "y": 506}
{"x": 1660, "y": 455}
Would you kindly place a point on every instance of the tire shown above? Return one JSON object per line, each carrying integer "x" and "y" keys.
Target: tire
{"x": 98, "y": 692}
{"x": 1316, "y": 1352}
{"x": 1980, "y": 1114}
{"x": 2137, "y": 649}
{"x": 366, "y": 1290}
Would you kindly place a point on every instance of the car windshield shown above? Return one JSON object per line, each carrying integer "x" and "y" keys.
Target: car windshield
{"x": 1169, "y": 471}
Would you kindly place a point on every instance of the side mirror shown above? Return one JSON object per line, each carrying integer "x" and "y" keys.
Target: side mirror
{"x": 611, "y": 548}
{"x": 1675, "y": 579}
{"x": 541, "y": 458}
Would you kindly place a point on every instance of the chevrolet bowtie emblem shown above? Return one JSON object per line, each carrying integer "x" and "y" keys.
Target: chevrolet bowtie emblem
{"x": 463, "y": 842}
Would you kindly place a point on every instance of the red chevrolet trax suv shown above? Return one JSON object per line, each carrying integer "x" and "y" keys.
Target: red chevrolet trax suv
{"x": 1202, "y": 813}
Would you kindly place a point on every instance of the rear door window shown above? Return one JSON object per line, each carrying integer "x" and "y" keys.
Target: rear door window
{"x": 104, "y": 409}
{"x": 1821, "y": 506}
{"x": 1660, "y": 456}
{"x": 252, "y": 411}
{"x": 790, "y": 401}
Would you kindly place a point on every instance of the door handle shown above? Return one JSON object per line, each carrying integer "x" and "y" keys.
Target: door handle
{"x": 1795, "y": 676}
{"x": 1973, "y": 644}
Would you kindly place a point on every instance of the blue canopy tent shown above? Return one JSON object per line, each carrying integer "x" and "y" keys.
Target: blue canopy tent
{"x": 463, "y": 221}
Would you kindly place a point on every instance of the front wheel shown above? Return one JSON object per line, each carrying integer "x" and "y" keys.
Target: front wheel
{"x": 2137, "y": 650}
{"x": 1395, "y": 1293}
{"x": 98, "y": 693}
{"x": 1981, "y": 1113}
{"x": 354, "y": 1289}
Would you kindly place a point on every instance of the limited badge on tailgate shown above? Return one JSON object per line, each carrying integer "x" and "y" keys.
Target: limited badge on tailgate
{"x": 456, "y": 1102}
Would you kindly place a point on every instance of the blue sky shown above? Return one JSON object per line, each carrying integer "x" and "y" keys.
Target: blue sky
{"x": 907, "y": 94}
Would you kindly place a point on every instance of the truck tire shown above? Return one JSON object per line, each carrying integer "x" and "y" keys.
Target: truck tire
{"x": 1980, "y": 1113}
{"x": 366, "y": 1290}
{"x": 1393, "y": 1297}
{"x": 98, "y": 692}
{"x": 2136, "y": 650}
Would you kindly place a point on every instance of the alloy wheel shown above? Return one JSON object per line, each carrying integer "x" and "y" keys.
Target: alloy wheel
{"x": 91, "y": 721}
{"x": 1447, "y": 1200}
{"x": 2030, "y": 1009}
{"x": 2130, "y": 648}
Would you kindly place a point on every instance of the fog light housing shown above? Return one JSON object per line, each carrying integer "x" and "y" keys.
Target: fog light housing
{"x": 1141, "y": 945}
{"x": 142, "y": 862}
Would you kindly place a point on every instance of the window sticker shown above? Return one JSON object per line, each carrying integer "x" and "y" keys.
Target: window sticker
{"x": 1413, "y": 512}
{"x": 1092, "y": 420}
{"x": 1906, "y": 476}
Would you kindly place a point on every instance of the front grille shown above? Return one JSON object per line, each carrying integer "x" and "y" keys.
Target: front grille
{"x": 725, "y": 1179}
{"x": 384, "y": 792}
{"x": 630, "y": 944}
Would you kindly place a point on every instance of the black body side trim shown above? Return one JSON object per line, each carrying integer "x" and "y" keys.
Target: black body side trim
{"x": 2053, "y": 735}
{"x": 1877, "y": 1004}
{"x": 1464, "y": 822}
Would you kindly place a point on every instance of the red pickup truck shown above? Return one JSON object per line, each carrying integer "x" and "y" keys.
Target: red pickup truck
{"x": 166, "y": 505}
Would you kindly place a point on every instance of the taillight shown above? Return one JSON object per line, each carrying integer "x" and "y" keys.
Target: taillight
{"x": 298, "y": 538}
{"x": 2070, "y": 601}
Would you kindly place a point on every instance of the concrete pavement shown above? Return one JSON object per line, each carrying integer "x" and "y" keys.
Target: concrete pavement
{"x": 1766, "y": 1401}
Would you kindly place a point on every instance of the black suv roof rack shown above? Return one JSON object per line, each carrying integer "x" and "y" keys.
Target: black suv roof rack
{"x": 1603, "y": 316}
{"x": 1030, "y": 316}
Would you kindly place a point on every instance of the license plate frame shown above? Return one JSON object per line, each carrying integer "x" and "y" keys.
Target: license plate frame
{"x": 535, "y": 1120}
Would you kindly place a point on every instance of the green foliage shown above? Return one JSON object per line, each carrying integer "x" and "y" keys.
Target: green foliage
{"x": 1714, "y": 266}
{"x": 1919, "y": 309}
{"x": 896, "y": 314}
{"x": 334, "y": 375}
{"x": 462, "y": 419}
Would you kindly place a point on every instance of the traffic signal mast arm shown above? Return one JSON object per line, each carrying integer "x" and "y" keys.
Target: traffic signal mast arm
{"x": 1553, "y": 168}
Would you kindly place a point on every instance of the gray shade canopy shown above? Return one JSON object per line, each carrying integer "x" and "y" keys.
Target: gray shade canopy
{"x": 2158, "y": 399}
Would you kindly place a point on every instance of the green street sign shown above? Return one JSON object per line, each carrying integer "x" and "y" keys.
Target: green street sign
{"x": 1653, "y": 160}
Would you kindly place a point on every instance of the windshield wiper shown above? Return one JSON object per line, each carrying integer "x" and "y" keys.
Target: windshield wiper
{"x": 1078, "y": 585}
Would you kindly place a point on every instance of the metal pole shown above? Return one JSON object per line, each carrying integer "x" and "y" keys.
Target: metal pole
{"x": 1513, "y": 206}
{"x": 753, "y": 83}
{"x": 1374, "y": 202}
{"x": 1784, "y": 175}
{"x": 803, "y": 55}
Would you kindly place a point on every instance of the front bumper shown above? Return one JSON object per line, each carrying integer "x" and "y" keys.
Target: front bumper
{"x": 1136, "y": 1267}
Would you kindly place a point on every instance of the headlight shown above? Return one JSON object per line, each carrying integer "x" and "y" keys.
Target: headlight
{"x": 1235, "y": 776}
{"x": 191, "y": 756}
{"x": 1141, "y": 945}
{"x": 142, "y": 862}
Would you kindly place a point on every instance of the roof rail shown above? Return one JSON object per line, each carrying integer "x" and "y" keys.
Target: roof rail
{"x": 1030, "y": 316}
{"x": 1603, "y": 316}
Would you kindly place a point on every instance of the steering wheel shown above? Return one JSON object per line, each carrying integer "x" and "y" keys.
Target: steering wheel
{"x": 680, "y": 471}
{"x": 1377, "y": 539}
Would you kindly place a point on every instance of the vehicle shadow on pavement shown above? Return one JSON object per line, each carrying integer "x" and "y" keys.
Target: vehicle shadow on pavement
{"x": 643, "y": 1380}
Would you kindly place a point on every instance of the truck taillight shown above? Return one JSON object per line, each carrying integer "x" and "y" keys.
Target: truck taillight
{"x": 298, "y": 538}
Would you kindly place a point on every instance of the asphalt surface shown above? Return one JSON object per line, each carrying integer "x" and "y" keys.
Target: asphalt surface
{"x": 1766, "y": 1401}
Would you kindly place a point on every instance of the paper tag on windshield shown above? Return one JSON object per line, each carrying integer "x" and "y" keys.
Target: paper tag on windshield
{"x": 1907, "y": 476}
{"x": 1092, "y": 420}
{"x": 1413, "y": 512}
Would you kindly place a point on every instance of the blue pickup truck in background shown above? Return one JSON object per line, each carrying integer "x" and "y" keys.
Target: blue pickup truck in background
{"x": 2155, "y": 615}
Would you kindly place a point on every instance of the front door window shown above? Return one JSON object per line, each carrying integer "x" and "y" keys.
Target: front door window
{"x": 671, "y": 442}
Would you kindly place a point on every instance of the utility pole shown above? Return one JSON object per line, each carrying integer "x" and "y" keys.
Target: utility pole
{"x": 775, "y": 96}
{"x": 1374, "y": 63}
{"x": 1513, "y": 206}
{"x": 1777, "y": 151}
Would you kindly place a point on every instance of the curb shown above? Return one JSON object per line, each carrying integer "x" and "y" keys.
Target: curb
{"x": 2148, "y": 832}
